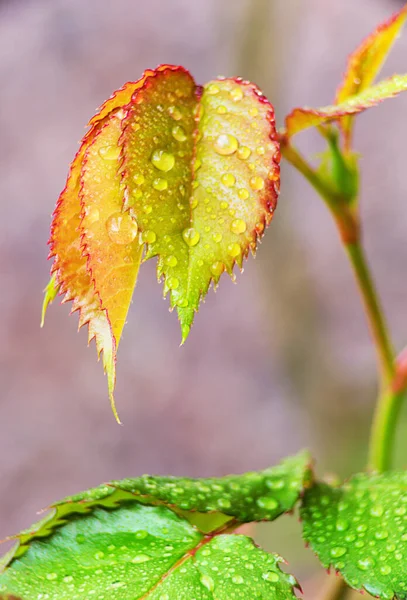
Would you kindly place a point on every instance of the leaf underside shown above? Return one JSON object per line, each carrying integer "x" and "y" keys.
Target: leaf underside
{"x": 360, "y": 530}
{"x": 184, "y": 173}
{"x": 161, "y": 538}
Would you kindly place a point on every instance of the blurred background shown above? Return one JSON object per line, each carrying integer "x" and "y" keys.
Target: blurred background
{"x": 281, "y": 361}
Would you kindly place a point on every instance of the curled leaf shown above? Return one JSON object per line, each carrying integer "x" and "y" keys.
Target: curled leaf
{"x": 189, "y": 174}
{"x": 366, "y": 61}
{"x": 303, "y": 118}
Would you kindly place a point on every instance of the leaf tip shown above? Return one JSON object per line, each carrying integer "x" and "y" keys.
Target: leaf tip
{"x": 51, "y": 291}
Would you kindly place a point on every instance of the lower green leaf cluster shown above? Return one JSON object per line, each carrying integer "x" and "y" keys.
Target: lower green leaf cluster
{"x": 165, "y": 538}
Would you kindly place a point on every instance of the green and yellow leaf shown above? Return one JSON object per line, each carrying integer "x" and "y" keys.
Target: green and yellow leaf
{"x": 303, "y": 118}
{"x": 189, "y": 173}
{"x": 366, "y": 61}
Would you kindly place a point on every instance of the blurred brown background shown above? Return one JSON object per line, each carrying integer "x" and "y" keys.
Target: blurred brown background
{"x": 280, "y": 361}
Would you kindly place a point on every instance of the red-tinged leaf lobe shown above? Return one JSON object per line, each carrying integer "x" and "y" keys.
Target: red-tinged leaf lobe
{"x": 70, "y": 270}
{"x": 366, "y": 61}
{"x": 303, "y": 118}
{"x": 109, "y": 235}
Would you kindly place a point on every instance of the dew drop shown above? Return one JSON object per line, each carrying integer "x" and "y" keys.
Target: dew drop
{"x": 183, "y": 303}
{"x": 270, "y": 576}
{"x": 385, "y": 570}
{"x": 51, "y": 576}
{"x": 260, "y": 150}
{"x": 140, "y": 558}
{"x": 224, "y": 503}
{"x": 171, "y": 261}
{"x": 178, "y": 133}
{"x": 139, "y": 179}
{"x": 236, "y": 94}
{"x": 228, "y": 179}
{"x": 191, "y": 236}
{"x": 110, "y": 152}
{"x": 253, "y": 112}
{"x": 234, "y": 250}
{"x": 147, "y": 208}
{"x": 149, "y": 236}
{"x": 342, "y": 525}
{"x": 217, "y": 268}
{"x": 173, "y": 283}
{"x": 68, "y": 579}
{"x": 338, "y": 551}
{"x": 256, "y": 183}
{"x": 266, "y": 502}
{"x": 162, "y": 160}
{"x": 160, "y": 184}
{"x": 141, "y": 534}
{"x": 212, "y": 89}
{"x": 226, "y": 144}
{"x": 194, "y": 202}
{"x": 93, "y": 215}
{"x": 175, "y": 113}
{"x": 238, "y": 226}
{"x": 221, "y": 110}
{"x": 243, "y": 194}
{"x": 382, "y": 534}
{"x": 244, "y": 152}
{"x": 207, "y": 582}
{"x": 224, "y": 205}
{"x": 237, "y": 579}
{"x": 121, "y": 228}
{"x": 217, "y": 237}
{"x": 377, "y": 511}
{"x": 365, "y": 564}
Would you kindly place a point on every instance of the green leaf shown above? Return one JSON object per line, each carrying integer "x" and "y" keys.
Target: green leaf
{"x": 360, "y": 529}
{"x": 186, "y": 173}
{"x": 158, "y": 535}
{"x": 303, "y": 118}
{"x": 139, "y": 551}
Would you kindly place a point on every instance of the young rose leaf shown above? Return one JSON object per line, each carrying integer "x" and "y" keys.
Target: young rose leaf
{"x": 153, "y": 534}
{"x": 360, "y": 529}
{"x": 190, "y": 173}
{"x": 201, "y": 171}
{"x": 366, "y": 61}
{"x": 303, "y": 118}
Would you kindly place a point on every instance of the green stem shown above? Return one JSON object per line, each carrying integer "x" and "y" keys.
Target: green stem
{"x": 374, "y": 313}
{"x": 390, "y": 399}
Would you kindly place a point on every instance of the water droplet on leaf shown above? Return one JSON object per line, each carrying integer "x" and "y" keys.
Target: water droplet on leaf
{"x": 160, "y": 184}
{"x": 238, "y": 226}
{"x": 162, "y": 160}
{"x": 226, "y": 144}
{"x": 191, "y": 236}
{"x": 122, "y": 229}
{"x": 110, "y": 152}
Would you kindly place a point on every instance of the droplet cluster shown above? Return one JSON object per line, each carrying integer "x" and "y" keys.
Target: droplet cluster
{"x": 361, "y": 529}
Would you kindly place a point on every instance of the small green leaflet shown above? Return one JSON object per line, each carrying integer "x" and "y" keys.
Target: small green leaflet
{"x": 360, "y": 529}
{"x": 165, "y": 537}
